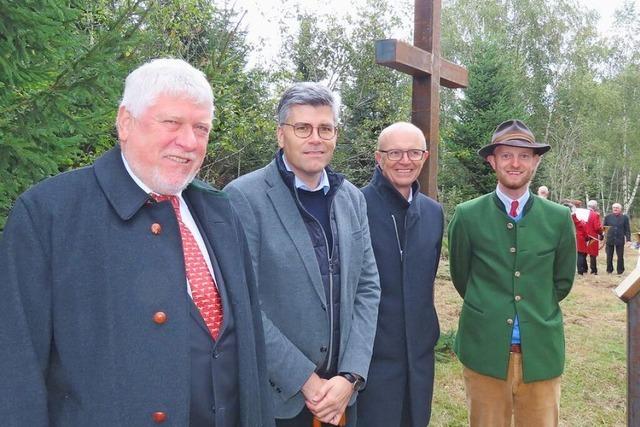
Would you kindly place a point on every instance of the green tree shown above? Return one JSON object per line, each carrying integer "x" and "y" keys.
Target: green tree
{"x": 340, "y": 53}
{"x": 59, "y": 84}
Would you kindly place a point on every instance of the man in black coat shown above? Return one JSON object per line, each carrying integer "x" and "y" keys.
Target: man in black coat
{"x": 120, "y": 309}
{"x": 619, "y": 233}
{"x": 406, "y": 234}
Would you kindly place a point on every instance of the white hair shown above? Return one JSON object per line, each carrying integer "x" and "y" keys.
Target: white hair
{"x": 168, "y": 76}
{"x": 592, "y": 204}
{"x": 616, "y": 205}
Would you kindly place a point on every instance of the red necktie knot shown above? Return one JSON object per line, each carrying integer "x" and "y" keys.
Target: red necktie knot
{"x": 174, "y": 202}
{"x": 514, "y": 209}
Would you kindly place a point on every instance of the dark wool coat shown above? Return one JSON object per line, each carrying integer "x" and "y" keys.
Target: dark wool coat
{"x": 620, "y": 232}
{"x": 403, "y": 353}
{"x": 81, "y": 276}
{"x": 502, "y": 268}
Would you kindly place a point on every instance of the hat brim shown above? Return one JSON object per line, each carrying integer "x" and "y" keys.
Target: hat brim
{"x": 538, "y": 148}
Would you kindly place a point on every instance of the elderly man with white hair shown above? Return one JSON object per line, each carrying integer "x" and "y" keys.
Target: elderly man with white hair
{"x": 619, "y": 232}
{"x": 543, "y": 191}
{"x": 128, "y": 296}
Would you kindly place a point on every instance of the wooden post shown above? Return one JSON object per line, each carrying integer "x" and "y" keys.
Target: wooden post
{"x": 633, "y": 362}
{"x": 628, "y": 291}
{"x": 429, "y": 71}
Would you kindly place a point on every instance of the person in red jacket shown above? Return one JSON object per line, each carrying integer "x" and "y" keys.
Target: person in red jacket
{"x": 594, "y": 234}
{"x": 588, "y": 234}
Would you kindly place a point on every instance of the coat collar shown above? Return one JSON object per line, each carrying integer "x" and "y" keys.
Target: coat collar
{"x": 335, "y": 179}
{"x": 388, "y": 192}
{"x": 501, "y": 206}
{"x": 124, "y": 195}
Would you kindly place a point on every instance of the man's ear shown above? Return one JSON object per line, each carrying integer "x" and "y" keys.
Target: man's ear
{"x": 378, "y": 156}
{"x": 280, "y": 136}
{"x": 123, "y": 123}
{"x": 492, "y": 161}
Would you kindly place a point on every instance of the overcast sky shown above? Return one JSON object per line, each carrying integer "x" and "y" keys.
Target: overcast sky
{"x": 262, "y": 17}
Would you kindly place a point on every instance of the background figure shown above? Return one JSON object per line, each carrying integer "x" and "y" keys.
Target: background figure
{"x": 580, "y": 226}
{"x": 595, "y": 235}
{"x": 128, "y": 296}
{"x": 512, "y": 259}
{"x": 619, "y": 233}
{"x": 318, "y": 282}
{"x": 588, "y": 233}
{"x": 406, "y": 234}
{"x": 543, "y": 191}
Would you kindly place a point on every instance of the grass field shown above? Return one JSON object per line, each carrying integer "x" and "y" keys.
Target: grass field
{"x": 594, "y": 382}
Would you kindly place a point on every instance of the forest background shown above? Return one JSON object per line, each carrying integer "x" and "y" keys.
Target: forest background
{"x": 63, "y": 63}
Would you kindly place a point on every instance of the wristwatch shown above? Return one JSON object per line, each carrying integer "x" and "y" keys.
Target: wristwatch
{"x": 356, "y": 380}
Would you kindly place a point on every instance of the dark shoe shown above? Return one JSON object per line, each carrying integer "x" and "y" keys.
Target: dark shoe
{"x": 594, "y": 273}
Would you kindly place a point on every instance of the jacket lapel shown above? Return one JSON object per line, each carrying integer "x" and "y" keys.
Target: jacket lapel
{"x": 212, "y": 213}
{"x": 291, "y": 220}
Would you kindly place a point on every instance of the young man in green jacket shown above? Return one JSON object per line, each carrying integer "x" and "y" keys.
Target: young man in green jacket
{"x": 512, "y": 259}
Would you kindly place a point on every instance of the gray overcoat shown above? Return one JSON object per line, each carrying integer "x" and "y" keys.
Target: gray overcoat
{"x": 290, "y": 286}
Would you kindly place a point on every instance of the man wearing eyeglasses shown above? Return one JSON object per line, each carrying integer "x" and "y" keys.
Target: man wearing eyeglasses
{"x": 318, "y": 282}
{"x": 406, "y": 237}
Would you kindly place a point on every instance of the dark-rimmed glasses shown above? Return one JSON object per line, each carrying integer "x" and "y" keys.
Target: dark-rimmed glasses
{"x": 414, "y": 154}
{"x": 304, "y": 130}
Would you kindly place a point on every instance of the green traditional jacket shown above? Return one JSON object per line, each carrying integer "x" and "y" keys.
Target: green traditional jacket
{"x": 501, "y": 268}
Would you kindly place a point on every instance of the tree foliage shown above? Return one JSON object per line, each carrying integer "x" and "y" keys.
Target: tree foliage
{"x": 60, "y": 80}
{"x": 492, "y": 97}
{"x": 63, "y": 63}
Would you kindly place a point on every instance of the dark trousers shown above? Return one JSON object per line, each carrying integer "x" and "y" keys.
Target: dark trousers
{"x": 593, "y": 264}
{"x": 582, "y": 263}
{"x": 305, "y": 419}
{"x": 619, "y": 253}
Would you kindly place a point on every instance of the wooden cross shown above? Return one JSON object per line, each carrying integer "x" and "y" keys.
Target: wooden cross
{"x": 429, "y": 71}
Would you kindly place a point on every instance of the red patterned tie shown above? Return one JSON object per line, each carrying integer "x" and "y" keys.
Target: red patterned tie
{"x": 203, "y": 287}
{"x": 514, "y": 209}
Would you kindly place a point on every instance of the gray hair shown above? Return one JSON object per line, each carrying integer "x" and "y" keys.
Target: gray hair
{"x": 592, "y": 204}
{"x": 162, "y": 76}
{"x": 616, "y": 205}
{"x": 306, "y": 93}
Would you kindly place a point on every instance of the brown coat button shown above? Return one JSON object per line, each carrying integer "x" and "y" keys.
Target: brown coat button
{"x": 156, "y": 228}
{"x": 159, "y": 417}
{"x": 160, "y": 317}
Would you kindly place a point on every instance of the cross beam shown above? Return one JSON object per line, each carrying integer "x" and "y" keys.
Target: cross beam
{"x": 429, "y": 71}
{"x": 416, "y": 62}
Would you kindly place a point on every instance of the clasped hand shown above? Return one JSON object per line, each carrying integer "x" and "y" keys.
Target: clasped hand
{"x": 327, "y": 399}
